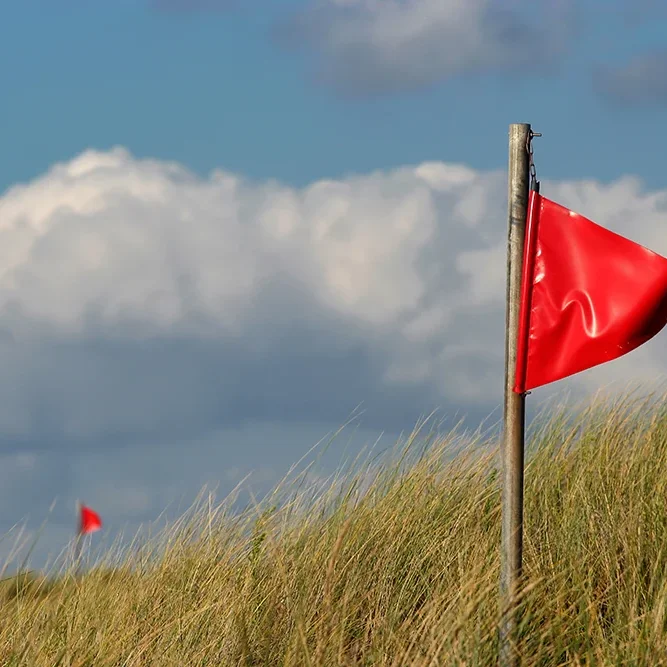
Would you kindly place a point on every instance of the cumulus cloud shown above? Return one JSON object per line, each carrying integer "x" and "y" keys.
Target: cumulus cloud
{"x": 641, "y": 82}
{"x": 137, "y": 297}
{"x": 138, "y": 300}
{"x": 383, "y": 46}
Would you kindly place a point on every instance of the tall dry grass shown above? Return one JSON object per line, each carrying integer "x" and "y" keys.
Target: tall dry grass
{"x": 395, "y": 565}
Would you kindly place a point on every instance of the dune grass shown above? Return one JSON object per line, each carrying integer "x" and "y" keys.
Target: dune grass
{"x": 396, "y": 564}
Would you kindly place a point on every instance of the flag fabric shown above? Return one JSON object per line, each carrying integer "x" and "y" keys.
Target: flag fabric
{"x": 90, "y": 521}
{"x": 588, "y": 295}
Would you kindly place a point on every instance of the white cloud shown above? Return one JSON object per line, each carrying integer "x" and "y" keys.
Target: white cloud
{"x": 140, "y": 300}
{"x": 110, "y": 250}
{"x": 372, "y": 46}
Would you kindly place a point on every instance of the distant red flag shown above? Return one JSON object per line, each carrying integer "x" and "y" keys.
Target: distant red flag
{"x": 90, "y": 521}
{"x": 587, "y": 296}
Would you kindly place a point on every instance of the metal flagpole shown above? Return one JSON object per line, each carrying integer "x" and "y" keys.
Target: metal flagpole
{"x": 512, "y": 447}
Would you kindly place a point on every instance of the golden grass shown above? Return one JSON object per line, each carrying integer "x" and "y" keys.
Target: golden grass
{"x": 402, "y": 572}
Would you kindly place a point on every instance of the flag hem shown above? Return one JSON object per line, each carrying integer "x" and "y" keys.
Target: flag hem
{"x": 527, "y": 284}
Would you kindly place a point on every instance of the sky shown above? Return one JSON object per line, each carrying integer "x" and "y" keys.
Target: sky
{"x": 228, "y": 225}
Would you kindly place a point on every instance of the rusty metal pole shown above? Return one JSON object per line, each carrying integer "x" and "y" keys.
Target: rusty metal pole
{"x": 512, "y": 448}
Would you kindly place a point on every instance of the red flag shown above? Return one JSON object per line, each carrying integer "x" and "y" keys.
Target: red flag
{"x": 587, "y": 295}
{"x": 90, "y": 521}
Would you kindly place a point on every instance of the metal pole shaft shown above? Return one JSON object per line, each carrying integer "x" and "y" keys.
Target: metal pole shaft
{"x": 512, "y": 449}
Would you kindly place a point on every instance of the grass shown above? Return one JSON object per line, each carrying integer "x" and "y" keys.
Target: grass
{"x": 396, "y": 564}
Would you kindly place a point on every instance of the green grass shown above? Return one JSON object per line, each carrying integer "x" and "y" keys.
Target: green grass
{"x": 397, "y": 565}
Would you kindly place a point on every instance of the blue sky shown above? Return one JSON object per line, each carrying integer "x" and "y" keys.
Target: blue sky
{"x": 212, "y": 88}
{"x": 226, "y": 224}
